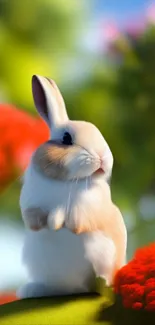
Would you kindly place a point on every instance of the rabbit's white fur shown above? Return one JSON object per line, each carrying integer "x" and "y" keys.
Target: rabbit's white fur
{"x": 57, "y": 265}
{"x": 58, "y": 262}
{"x": 62, "y": 262}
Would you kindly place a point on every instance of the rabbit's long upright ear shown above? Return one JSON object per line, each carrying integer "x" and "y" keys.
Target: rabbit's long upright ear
{"x": 48, "y": 101}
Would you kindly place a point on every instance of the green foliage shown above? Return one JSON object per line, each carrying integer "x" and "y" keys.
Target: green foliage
{"x": 35, "y": 36}
{"x": 9, "y": 201}
{"x": 135, "y": 97}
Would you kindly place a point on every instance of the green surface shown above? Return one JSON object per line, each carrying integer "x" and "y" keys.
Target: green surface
{"x": 83, "y": 309}
{"x": 68, "y": 310}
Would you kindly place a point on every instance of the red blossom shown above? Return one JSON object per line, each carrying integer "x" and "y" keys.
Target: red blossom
{"x": 149, "y": 285}
{"x": 5, "y": 169}
{"x": 20, "y": 135}
{"x": 127, "y": 303}
{"x": 137, "y": 305}
{"x": 150, "y": 296}
{"x": 135, "y": 282}
{"x": 7, "y": 297}
{"x": 150, "y": 306}
{"x": 134, "y": 291}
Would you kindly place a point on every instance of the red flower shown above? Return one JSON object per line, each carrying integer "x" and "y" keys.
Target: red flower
{"x": 127, "y": 303}
{"x": 7, "y": 297}
{"x": 20, "y": 135}
{"x": 5, "y": 170}
{"x": 135, "y": 282}
{"x": 150, "y": 284}
{"x": 137, "y": 306}
{"x": 150, "y": 296}
{"x": 150, "y": 306}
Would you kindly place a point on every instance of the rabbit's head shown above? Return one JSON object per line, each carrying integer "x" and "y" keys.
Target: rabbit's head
{"x": 76, "y": 149}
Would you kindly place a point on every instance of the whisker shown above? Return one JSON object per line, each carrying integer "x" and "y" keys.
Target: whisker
{"x": 86, "y": 183}
{"x": 77, "y": 179}
{"x": 90, "y": 180}
{"x": 50, "y": 164}
{"x": 82, "y": 162}
{"x": 69, "y": 197}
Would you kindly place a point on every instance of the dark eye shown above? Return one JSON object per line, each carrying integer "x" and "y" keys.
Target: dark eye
{"x": 67, "y": 139}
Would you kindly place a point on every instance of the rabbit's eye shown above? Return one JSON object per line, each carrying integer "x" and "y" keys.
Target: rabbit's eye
{"x": 67, "y": 139}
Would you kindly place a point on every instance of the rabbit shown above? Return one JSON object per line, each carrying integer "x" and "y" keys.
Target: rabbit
{"x": 75, "y": 232}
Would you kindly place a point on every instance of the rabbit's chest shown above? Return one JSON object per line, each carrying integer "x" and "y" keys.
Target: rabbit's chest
{"x": 65, "y": 196}
{"x": 40, "y": 192}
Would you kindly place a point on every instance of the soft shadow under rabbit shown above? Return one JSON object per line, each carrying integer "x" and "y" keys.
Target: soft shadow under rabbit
{"x": 65, "y": 188}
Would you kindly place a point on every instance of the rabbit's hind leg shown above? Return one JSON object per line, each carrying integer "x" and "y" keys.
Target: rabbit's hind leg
{"x": 101, "y": 253}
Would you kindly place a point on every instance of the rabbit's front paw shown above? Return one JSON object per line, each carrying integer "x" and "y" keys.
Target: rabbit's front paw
{"x": 56, "y": 219}
{"x": 32, "y": 290}
{"x": 35, "y": 218}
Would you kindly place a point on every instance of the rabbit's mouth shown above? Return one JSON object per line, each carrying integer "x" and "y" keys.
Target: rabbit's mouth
{"x": 99, "y": 171}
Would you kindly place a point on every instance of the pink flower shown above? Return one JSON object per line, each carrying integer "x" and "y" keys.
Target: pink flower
{"x": 109, "y": 32}
{"x": 150, "y": 15}
{"x": 135, "y": 28}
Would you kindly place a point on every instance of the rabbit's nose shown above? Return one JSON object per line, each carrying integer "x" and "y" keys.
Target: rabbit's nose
{"x": 100, "y": 155}
{"x": 101, "y": 161}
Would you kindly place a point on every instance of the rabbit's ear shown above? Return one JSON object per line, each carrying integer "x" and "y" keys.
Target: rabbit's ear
{"x": 48, "y": 101}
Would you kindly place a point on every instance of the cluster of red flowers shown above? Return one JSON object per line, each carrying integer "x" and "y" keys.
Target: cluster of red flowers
{"x": 7, "y": 297}
{"x": 135, "y": 282}
{"x": 20, "y": 135}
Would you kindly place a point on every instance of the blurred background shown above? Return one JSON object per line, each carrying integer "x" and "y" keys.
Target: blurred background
{"x": 101, "y": 53}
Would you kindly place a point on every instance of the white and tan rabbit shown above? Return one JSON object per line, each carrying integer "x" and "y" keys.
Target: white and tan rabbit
{"x": 65, "y": 188}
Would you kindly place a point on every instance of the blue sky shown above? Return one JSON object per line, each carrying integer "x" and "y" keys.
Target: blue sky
{"x": 121, "y": 9}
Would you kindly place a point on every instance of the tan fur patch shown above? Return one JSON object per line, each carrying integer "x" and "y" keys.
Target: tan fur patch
{"x": 51, "y": 159}
{"x": 106, "y": 218}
